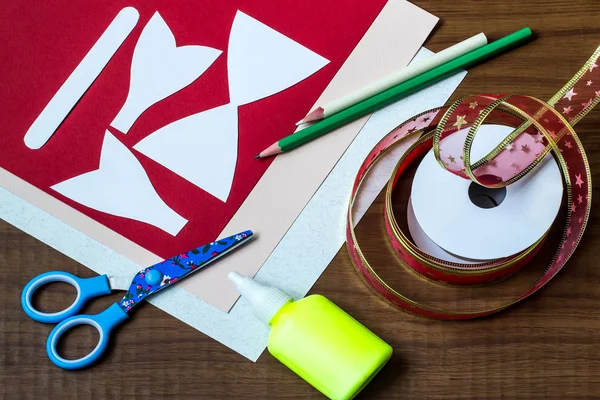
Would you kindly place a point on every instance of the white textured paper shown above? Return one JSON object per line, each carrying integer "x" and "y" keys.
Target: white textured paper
{"x": 294, "y": 265}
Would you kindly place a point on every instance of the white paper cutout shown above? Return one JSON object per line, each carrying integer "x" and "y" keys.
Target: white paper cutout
{"x": 121, "y": 187}
{"x": 261, "y": 62}
{"x": 213, "y": 137}
{"x": 159, "y": 69}
{"x": 81, "y": 79}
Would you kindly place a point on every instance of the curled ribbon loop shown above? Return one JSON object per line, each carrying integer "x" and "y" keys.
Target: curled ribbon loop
{"x": 516, "y": 155}
{"x": 539, "y": 128}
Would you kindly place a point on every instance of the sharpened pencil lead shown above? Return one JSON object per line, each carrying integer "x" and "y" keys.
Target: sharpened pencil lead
{"x": 257, "y": 156}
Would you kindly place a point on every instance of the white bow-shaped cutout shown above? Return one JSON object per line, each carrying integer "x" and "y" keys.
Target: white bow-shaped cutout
{"x": 120, "y": 186}
{"x": 159, "y": 68}
{"x": 261, "y": 62}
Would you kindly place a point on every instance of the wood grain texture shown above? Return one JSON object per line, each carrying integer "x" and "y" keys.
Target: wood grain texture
{"x": 546, "y": 347}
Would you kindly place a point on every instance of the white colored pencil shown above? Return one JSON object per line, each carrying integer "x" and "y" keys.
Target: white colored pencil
{"x": 394, "y": 79}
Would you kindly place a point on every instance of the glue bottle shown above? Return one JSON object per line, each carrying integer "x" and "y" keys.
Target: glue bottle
{"x": 316, "y": 339}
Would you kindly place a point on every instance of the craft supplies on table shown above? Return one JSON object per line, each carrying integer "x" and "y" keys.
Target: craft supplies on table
{"x": 94, "y": 244}
{"x": 316, "y": 339}
{"x": 77, "y": 179}
{"x": 92, "y": 236}
{"x": 144, "y": 284}
{"x": 514, "y": 161}
{"x": 289, "y": 266}
{"x": 394, "y": 93}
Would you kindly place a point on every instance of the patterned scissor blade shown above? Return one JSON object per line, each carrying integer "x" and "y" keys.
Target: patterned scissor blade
{"x": 159, "y": 276}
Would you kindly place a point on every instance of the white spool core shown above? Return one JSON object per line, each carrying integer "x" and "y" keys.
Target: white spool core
{"x": 444, "y": 211}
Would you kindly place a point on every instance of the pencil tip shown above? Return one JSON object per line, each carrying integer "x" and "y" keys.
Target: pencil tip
{"x": 257, "y": 156}
{"x": 301, "y": 122}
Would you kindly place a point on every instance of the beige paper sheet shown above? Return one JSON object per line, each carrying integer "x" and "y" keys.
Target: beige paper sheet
{"x": 290, "y": 181}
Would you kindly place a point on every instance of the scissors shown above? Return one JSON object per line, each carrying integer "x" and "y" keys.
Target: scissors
{"x": 145, "y": 283}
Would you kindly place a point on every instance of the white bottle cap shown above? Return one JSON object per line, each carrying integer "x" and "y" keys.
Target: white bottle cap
{"x": 265, "y": 301}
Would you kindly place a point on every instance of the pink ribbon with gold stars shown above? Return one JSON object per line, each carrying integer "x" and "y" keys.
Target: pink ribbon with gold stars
{"x": 540, "y": 128}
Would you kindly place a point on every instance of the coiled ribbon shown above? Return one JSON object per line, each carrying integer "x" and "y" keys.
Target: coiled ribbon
{"x": 540, "y": 128}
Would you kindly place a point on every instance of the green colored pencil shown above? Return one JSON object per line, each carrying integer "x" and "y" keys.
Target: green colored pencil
{"x": 397, "y": 92}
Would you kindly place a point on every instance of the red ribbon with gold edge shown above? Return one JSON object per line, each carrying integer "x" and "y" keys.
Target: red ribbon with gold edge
{"x": 540, "y": 127}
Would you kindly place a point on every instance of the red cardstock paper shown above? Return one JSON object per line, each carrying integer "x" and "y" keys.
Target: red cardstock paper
{"x": 43, "y": 42}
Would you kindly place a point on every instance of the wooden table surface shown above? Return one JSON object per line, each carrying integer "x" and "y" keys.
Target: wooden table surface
{"x": 546, "y": 347}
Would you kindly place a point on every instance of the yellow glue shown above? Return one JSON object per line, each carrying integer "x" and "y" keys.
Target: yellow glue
{"x": 316, "y": 339}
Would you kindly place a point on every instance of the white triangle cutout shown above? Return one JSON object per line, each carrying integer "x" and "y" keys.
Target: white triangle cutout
{"x": 262, "y": 61}
{"x": 211, "y": 137}
{"x": 159, "y": 68}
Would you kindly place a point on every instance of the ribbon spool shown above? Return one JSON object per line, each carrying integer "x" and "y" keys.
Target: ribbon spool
{"x": 507, "y": 220}
{"x": 539, "y": 129}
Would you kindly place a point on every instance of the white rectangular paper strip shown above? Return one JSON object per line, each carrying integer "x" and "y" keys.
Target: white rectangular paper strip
{"x": 81, "y": 78}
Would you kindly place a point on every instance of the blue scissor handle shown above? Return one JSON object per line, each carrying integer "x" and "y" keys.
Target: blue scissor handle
{"x": 87, "y": 288}
{"x": 104, "y": 322}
